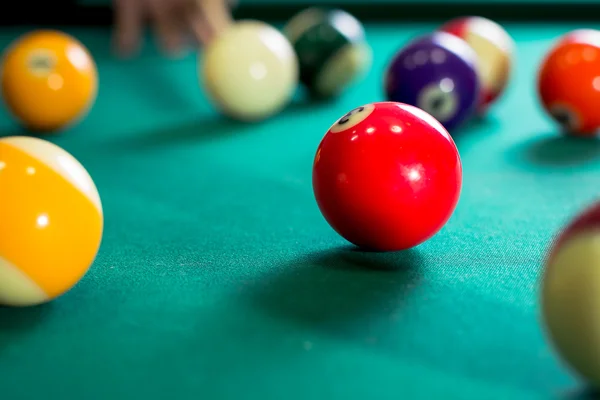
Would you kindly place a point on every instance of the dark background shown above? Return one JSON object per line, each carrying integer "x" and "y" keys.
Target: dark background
{"x": 72, "y": 12}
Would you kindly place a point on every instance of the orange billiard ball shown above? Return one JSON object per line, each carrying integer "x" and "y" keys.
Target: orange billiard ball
{"x": 51, "y": 221}
{"x": 49, "y": 80}
{"x": 569, "y": 82}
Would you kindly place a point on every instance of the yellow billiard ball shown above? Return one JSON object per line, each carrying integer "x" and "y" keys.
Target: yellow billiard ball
{"x": 49, "y": 80}
{"x": 570, "y": 303}
{"x": 250, "y": 71}
{"x": 51, "y": 221}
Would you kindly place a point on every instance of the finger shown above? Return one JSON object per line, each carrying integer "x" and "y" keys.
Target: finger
{"x": 216, "y": 13}
{"x": 168, "y": 30}
{"x": 184, "y": 18}
{"x": 199, "y": 27}
{"x": 129, "y": 17}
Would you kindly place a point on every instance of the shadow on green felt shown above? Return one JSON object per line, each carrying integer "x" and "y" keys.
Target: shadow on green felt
{"x": 306, "y": 105}
{"x": 474, "y": 132}
{"x": 211, "y": 127}
{"x": 558, "y": 150}
{"x": 15, "y": 321}
{"x": 341, "y": 292}
{"x": 476, "y": 127}
{"x": 155, "y": 85}
{"x": 586, "y": 393}
{"x": 206, "y": 129}
{"x": 16, "y": 131}
{"x": 19, "y": 318}
{"x": 485, "y": 123}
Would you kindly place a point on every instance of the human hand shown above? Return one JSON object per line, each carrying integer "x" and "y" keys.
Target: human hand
{"x": 174, "y": 22}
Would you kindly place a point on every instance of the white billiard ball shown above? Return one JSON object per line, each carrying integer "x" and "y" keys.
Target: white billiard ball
{"x": 250, "y": 71}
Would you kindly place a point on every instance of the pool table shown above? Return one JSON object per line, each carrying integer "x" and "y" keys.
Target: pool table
{"x": 218, "y": 277}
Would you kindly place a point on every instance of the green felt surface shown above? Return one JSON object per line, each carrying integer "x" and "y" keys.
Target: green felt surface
{"x": 219, "y": 279}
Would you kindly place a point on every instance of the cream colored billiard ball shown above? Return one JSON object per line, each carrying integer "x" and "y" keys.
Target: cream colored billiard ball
{"x": 250, "y": 71}
{"x": 571, "y": 294}
{"x": 494, "y": 48}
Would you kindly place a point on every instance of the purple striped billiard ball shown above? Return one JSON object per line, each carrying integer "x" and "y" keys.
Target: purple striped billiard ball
{"x": 436, "y": 73}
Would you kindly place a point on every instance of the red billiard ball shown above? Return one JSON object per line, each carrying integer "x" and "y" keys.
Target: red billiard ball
{"x": 569, "y": 82}
{"x": 387, "y": 176}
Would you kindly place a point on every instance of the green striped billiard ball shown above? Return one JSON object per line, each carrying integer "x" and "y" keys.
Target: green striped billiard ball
{"x": 332, "y": 50}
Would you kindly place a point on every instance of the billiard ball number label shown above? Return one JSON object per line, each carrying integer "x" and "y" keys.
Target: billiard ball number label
{"x": 346, "y": 118}
{"x": 41, "y": 62}
{"x": 352, "y": 118}
{"x": 439, "y": 100}
{"x": 566, "y": 118}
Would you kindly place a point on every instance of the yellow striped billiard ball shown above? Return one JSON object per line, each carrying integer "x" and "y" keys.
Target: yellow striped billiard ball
{"x": 51, "y": 221}
{"x": 570, "y": 294}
